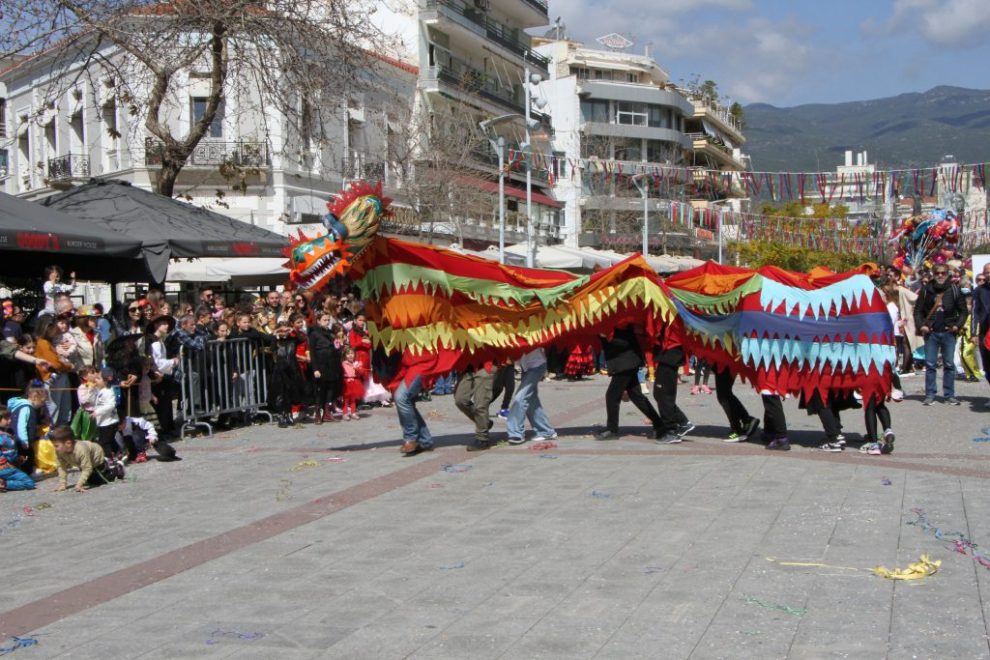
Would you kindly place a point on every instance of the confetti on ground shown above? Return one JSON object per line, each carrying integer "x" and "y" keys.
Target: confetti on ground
{"x": 543, "y": 446}
{"x": 983, "y": 439}
{"x": 885, "y": 481}
{"x": 922, "y": 568}
{"x": 959, "y": 542}
{"x": 335, "y": 459}
{"x": 302, "y": 465}
{"x": 435, "y": 414}
{"x": 234, "y": 634}
{"x": 433, "y": 486}
{"x": 650, "y": 570}
{"x": 600, "y": 495}
{"x": 547, "y": 456}
{"x": 40, "y": 506}
{"x": 28, "y": 511}
{"x": 793, "y": 611}
{"x": 18, "y": 643}
{"x": 252, "y": 450}
{"x": 815, "y": 565}
{"x": 451, "y": 567}
{"x": 455, "y": 469}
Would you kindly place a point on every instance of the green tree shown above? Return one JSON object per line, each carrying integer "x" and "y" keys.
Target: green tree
{"x": 792, "y": 257}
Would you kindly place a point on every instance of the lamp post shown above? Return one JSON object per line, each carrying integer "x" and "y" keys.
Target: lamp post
{"x": 531, "y": 79}
{"x": 644, "y": 189}
{"x": 499, "y": 145}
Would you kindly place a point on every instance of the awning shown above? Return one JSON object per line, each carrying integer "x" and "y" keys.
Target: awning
{"x": 512, "y": 191}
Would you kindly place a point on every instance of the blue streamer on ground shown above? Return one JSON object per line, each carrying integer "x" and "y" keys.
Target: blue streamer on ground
{"x": 18, "y": 643}
{"x": 954, "y": 540}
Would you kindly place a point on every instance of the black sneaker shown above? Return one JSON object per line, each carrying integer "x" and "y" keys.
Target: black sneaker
{"x": 750, "y": 428}
{"x": 669, "y": 438}
{"x": 683, "y": 429}
{"x": 607, "y": 435}
{"x": 479, "y": 445}
{"x": 781, "y": 443}
{"x": 953, "y": 401}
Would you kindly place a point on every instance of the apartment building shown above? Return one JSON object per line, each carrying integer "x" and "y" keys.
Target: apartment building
{"x": 615, "y": 106}
{"x": 254, "y": 164}
{"x": 472, "y": 57}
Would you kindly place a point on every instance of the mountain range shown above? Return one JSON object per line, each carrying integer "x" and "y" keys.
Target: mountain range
{"x": 900, "y": 132}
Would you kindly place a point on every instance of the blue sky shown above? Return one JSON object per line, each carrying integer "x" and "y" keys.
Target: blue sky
{"x": 794, "y": 52}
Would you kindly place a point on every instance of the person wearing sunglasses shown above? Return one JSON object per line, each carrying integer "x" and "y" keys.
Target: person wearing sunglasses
{"x": 939, "y": 314}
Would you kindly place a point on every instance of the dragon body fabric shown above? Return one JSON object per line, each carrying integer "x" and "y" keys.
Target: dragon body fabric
{"x": 431, "y": 310}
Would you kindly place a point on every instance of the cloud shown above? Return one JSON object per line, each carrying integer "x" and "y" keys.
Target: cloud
{"x": 953, "y": 24}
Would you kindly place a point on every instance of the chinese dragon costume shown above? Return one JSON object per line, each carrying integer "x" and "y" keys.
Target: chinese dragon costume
{"x": 431, "y": 310}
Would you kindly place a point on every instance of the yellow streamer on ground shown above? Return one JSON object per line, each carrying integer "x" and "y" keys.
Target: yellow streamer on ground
{"x": 302, "y": 465}
{"x": 815, "y": 565}
{"x": 922, "y": 568}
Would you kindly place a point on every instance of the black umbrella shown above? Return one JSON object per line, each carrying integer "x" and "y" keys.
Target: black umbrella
{"x": 31, "y": 227}
{"x": 166, "y": 227}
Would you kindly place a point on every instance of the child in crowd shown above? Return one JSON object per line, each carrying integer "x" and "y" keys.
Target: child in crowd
{"x": 8, "y": 444}
{"x": 286, "y": 378}
{"x": 27, "y": 417}
{"x": 105, "y": 414}
{"x": 54, "y": 286}
{"x": 354, "y": 373}
{"x": 136, "y": 434}
{"x": 82, "y": 422}
{"x": 94, "y": 467}
{"x": 13, "y": 479}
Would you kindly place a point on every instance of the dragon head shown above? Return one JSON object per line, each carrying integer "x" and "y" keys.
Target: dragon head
{"x": 352, "y": 224}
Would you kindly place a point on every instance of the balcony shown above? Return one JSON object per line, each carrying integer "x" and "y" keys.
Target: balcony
{"x": 703, "y": 143}
{"x": 65, "y": 168}
{"x": 359, "y": 166}
{"x": 214, "y": 154}
{"x": 466, "y": 78}
{"x": 479, "y": 23}
{"x": 4, "y": 164}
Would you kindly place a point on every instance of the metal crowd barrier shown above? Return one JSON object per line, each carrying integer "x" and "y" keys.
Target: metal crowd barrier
{"x": 225, "y": 377}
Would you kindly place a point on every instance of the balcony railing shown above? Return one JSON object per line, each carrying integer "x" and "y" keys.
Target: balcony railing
{"x": 215, "y": 154}
{"x": 495, "y": 31}
{"x": 713, "y": 142}
{"x": 67, "y": 167}
{"x": 460, "y": 74}
{"x": 357, "y": 166}
{"x": 539, "y": 4}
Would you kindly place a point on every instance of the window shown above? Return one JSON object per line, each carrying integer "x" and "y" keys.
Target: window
{"x": 199, "y": 104}
{"x": 661, "y": 151}
{"x": 659, "y": 116}
{"x": 581, "y": 72}
{"x": 629, "y": 149}
{"x": 3, "y": 118}
{"x": 594, "y": 110}
{"x": 631, "y": 114}
{"x": 602, "y": 74}
{"x": 632, "y": 77}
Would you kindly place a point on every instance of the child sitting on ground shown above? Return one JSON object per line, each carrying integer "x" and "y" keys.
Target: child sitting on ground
{"x": 136, "y": 434}
{"x": 94, "y": 467}
{"x": 11, "y": 478}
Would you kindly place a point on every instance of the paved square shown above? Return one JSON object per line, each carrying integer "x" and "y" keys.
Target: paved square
{"x": 323, "y": 542}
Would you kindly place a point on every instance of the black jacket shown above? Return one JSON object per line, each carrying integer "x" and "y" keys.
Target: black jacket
{"x": 324, "y": 354}
{"x": 623, "y": 351}
{"x": 953, "y": 304}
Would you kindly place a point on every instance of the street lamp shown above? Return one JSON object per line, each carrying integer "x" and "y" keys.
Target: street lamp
{"x": 530, "y": 79}
{"x": 643, "y": 185}
{"x": 498, "y": 144}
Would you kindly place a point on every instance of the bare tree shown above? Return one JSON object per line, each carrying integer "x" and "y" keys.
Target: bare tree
{"x": 281, "y": 57}
{"x": 438, "y": 158}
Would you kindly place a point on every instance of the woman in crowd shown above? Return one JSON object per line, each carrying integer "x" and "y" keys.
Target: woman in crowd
{"x": 55, "y": 346}
{"x": 89, "y": 344}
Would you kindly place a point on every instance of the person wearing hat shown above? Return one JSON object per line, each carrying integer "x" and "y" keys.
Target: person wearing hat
{"x": 89, "y": 344}
{"x": 164, "y": 387}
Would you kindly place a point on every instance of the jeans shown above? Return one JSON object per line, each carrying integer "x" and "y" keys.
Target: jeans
{"x": 413, "y": 425}
{"x": 935, "y": 342}
{"x": 526, "y": 405}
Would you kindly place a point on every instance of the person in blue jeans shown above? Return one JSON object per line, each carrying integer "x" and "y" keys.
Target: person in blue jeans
{"x": 939, "y": 313}
{"x": 526, "y": 401}
{"x": 415, "y": 434}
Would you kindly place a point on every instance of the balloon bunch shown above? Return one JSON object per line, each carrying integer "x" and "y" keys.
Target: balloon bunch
{"x": 925, "y": 240}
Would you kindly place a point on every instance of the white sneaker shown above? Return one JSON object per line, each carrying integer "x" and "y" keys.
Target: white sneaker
{"x": 517, "y": 441}
{"x": 544, "y": 438}
{"x": 896, "y": 395}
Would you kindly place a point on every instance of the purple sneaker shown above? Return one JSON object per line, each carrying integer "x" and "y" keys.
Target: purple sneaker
{"x": 780, "y": 443}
